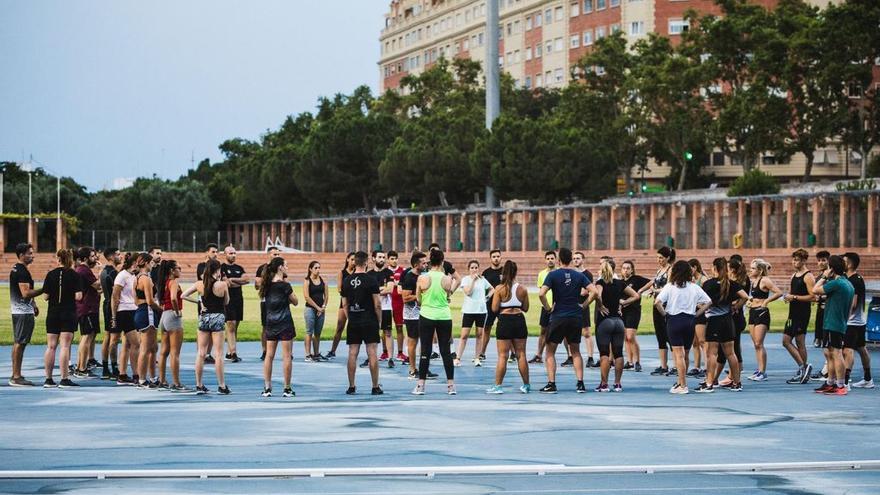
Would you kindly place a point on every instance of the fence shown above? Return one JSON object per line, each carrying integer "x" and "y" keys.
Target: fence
{"x": 169, "y": 240}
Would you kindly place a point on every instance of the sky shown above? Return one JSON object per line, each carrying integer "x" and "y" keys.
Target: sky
{"x": 104, "y": 90}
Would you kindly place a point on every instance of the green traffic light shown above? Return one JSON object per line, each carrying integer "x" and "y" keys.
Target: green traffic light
{"x": 644, "y": 187}
{"x": 688, "y": 155}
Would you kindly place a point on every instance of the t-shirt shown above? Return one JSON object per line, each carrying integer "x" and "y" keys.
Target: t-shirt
{"x": 493, "y": 276}
{"x": 200, "y": 269}
{"x": 108, "y": 275}
{"x": 541, "y": 276}
{"x": 410, "y": 282}
{"x": 857, "y": 315}
{"x": 566, "y": 285}
{"x": 259, "y": 275}
{"x": 476, "y": 302}
{"x": 635, "y": 283}
{"x": 154, "y": 276}
{"x": 682, "y": 300}
{"x": 61, "y": 285}
{"x": 126, "y": 279}
{"x": 382, "y": 277}
{"x": 612, "y": 293}
{"x": 720, "y": 307}
{"x": 233, "y": 271}
{"x": 91, "y": 300}
{"x": 20, "y": 305}
{"x": 583, "y": 299}
{"x": 278, "y": 317}
{"x": 840, "y": 294}
{"x": 396, "y": 298}
{"x": 358, "y": 291}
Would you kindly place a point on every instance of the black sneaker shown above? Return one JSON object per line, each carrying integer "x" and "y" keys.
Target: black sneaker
{"x": 736, "y": 387}
{"x": 365, "y": 363}
{"x": 330, "y": 355}
{"x": 482, "y": 357}
{"x": 434, "y": 355}
{"x": 703, "y": 388}
{"x": 591, "y": 363}
{"x": 224, "y": 390}
{"x": 153, "y": 385}
{"x": 209, "y": 359}
{"x": 105, "y": 374}
{"x": 263, "y": 356}
{"x": 638, "y": 367}
{"x": 267, "y": 392}
{"x": 201, "y": 390}
{"x": 49, "y": 383}
{"x": 228, "y": 357}
{"x": 672, "y": 372}
{"x": 431, "y": 376}
{"x": 390, "y": 363}
{"x": 351, "y": 391}
{"x": 93, "y": 363}
{"x": 235, "y": 358}
{"x": 114, "y": 372}
{"x": 536, "y": 360}
{"x": 627, "y": 365}
{"x": 568, "y": 362}
{"x": 660, "y": 371}
{"x": 693, "y": 372}
{"x": 124, "y": 380}
{"x": 377, "y": 391}
{"x": 580, "y": 388}
{"x": 288, "y": 392}
{"x": 319, "y": 358}
{"x": 550, "y": 388}
{"x": 67, "y": 383}
{"x": 453, "y": 355}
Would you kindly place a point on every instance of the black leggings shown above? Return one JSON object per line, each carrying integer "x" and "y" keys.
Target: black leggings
{"x": 660, "y": 330}
{"x": 739, "y": 324}
{"x": 443, "y": 328}
{"x": 610, "y": 335}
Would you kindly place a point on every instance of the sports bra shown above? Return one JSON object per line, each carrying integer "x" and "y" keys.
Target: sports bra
{"x": 660, "y": 279}
{"x": 757, "y": 293}
{"x": 139, "y": 294}
{"x": 513, "y": 302}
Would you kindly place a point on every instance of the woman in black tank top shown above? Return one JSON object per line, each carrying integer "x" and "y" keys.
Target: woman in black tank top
{"x": 347, "y": 270}
{"x": 212, "y": 323}
{"x": 316, "y": 294}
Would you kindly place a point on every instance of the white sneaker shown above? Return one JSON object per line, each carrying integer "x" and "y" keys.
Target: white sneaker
{"x": 678, "y": 390}
{"x": 864, "y": 384}
{"x": 450, "y": 390}
{"x": 478, "y": 363}
{"x": 495, "y": 390}
{"x": 419, "y": 390}
{"x": 456, "y": 362}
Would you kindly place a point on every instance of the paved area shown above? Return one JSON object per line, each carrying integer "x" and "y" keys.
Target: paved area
{"x": 101, "y": 426}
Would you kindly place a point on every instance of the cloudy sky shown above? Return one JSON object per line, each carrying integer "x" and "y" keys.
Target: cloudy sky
{"x": 107, "y": 89}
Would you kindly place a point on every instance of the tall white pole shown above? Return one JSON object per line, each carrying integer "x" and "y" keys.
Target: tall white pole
{"x": 30, "y": 197}
{"x": 1, "y": 193}
{"x": 58, "y": 194}
{"x": 493, "y": 77}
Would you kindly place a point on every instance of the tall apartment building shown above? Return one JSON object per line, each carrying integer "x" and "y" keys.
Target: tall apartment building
{"x": 541, "y": 40}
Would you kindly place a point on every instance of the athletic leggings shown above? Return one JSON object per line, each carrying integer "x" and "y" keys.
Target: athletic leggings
{"x": 660, "y": 330}
{"x": 443, "y": 328}
{"x": 739, "y": 324}
{"x": 610, "y": 335}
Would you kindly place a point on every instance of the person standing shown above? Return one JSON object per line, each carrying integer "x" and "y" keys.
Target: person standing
{"x": 613, "y": 295}
{"x": 87, "y": 308}
{"x": 433, "y": 291}
{"x": 271, "y": 252}
{"x": 235, "y": 276}
{"x": 565, "y": 317}
{"x": 699, "y": 345}
{"x": 122, "y": 309}
{"x": 763, "y": 292}
{"x": 363, "y": 312}
{"x": 384, "y": 277}
{"x": 214, "y": 294}
{"x": 838, "y": 305}
{"x": 473, "y": 310}
{"x": 110, "y": 345}
{"x": 544, "y": 318}
{"x": 632, "y": 316}
{"x": 397, "y": 302}
{"x": 211, "y": 252}
{"x": 61, "y": 287}
{"x": 147, "y": 308}
{"x": 510, "y": 301}
{"x": 170, "y": 296}
{"x": 725, "y": 294}
{"x": 799, "y": 299}
{"x": 492, "y": 274}
{"x": 665, "y": 259}
{"x": 578, "y": 264}
{"x": 856, "y": 325}
{"x": 411, "y": 316}
{"x": 279, "y": 323}
{"x": 316, "y": 293}
{"x": 347, "y": 270}
{"x": 23, "y": 309}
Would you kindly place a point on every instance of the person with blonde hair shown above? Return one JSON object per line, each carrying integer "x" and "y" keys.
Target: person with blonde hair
{"x": 763, "y": 292}
{"x": 613, "y": 295}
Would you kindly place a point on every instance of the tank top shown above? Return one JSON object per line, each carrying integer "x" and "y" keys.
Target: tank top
{"x": 212, "y": 303}
{"x": 166, "y": 297}
{"x": 757, "y": 292}
{"x": 660, "y": 279}
{"x": 316, "y": 292}
{"x": 514, "y": 301}
{"x": 139, "y": 294}
{"x": 435, "y": 305}
{"x": 799, "y": 288}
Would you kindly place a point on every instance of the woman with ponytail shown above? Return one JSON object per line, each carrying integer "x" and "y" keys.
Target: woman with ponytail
{"x": 143, "y": 320}
{"x": 665, "y": 258}
{"x": 763, "y": 292}
{"x": 170, "y": 295}
{"x": 122, "y": 309}
{"x": 61, "y": 288}
{"x": 510, "y": 301}
{"x": 726, "y": 295}
{"x": 279, "y": 323}
{"x": 736, "y": 272}
{"x": 214, "y": 294}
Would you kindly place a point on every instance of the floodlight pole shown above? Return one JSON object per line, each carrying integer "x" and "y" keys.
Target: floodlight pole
{"x": 493, "y": 78}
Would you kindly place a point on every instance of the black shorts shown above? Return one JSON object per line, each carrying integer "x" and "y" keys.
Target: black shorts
{"x": 585, "y": 315}
{"x": 89, "y": 324}
{"x": 544, "y": 319}
{"x": 855, "y": 336}
{"x": 701, "y": 320}
{"x": 125, "y": 321}
{"x": 412, "y": 328}
{"x": 263, "y": 314}
{"x": 759, "y": 316}
{"x": 511, "y": 326}
{"x": 565, "y": 329}
{"x": 660, "y": 329}
{"x": 108, "y": 317}
{"x": 739, "y": 322}
{"x": 720, "y": 329}
{"x": 281, "y": 333}
{"x": 491, "y": 316}
{"x": 796, "y": 326}
{"x": 362, "y": 334}
{"x": 680, "y": 328}
{"x": 58, "y": 322}
{"x": 469, "y": 320}
{"x": 834, "y": 340}
{"x": 387, "y": 320}
{"x": 235, "y": 310}
{"x": 610, "y": 334}
{"x": 631, "y": 319}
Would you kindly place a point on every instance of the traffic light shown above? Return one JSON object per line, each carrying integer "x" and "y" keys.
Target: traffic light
{"x": 688, "y": 156}
{"x": 644, "y": 187}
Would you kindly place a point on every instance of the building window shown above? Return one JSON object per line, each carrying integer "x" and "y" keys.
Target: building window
{"x": 614, "y": 3}
{"x": 515, "y": 27}
{"x": 539, "y": 50}
{"x": 575, "y": 41}
{"x": 528, "y": 53}
{"x": 600, "y": 4}
{"x": 717, "y": 159}
{"x": 588, "y": 6}
{"x": 529, "y": 23}
{"x": 557, "y": 44}
{"x": 539, "y": 19}
{"x": 509, "y": 28}
{"x": 636, "y": 28}
{"x": 516, "y": 56}
{"x": 677, "y": 26}
{"x": 549, "y": 47}
{"x": 588, "y": 37}
{"x": 528, "y": 82}
{"x": 600, "y": 33}
{"x": 480, "y": 39}
{"x": 539, "y": 80}
{"x": 575, "y": 10}
{"x": 467, "y": 44}
{"x": 509, "y": 58}
{"x": 548, "y": 16}
{"x": 615, "y": 28}
{"x": 557, "y": 74}
{"x": 559, "y": 14}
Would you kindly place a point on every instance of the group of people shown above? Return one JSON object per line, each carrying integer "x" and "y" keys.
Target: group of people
{"x": 695, "y": 314}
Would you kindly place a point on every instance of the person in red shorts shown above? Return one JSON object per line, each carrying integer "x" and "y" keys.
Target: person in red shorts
{"x": 397, "y": 302}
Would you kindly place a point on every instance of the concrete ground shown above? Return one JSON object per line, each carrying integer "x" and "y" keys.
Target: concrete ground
{"x": 102, "y": 426}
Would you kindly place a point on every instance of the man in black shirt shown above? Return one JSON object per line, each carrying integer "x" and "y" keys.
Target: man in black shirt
{"x": 236, "y": 278}
{"x": 492, "y": 274}
{"x": 23, "y": 309}
{"x": 385, "y": 279}
{"x": 854, "y": 341}
{"x": 411, "y": 316}
{"x": 111, "y": 334}
{"x": 578, "y": 264}
{"x": 271, "y": 252}
{"x": 363, "y": 308}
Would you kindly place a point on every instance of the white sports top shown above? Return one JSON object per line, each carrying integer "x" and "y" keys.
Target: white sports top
{"x": 513, "y": 302}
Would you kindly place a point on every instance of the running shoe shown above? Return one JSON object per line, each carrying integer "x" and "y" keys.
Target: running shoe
{"x": 351, "y": 391}
{"x": 694, "y": 372}
{"x": 235, "y": 358}
{"x": 805, "y": 377}
{"x": 178, "y": 388}
{"x": 288, "y": 392}
{"x": 495, "y": 390}
{"x": 568, "y": 362}
{"x": 431, "y": 376}
{"x": 412, "y": 375}
{"x": 123, "y": 379}
{"x": 478, "y": 363}
{"x": 153, "y": 384}
{"x": 267, "y": 392}
{"x": 376, "y": 391}
{"x": 402, "y": 357}
{"x": 453, "y": 355}
{"x": 67, "y": 383}
{"x": 672, "y": 372}
{"x": 702, "y": 374}
{"x": 823, "y": 388}
{"x": 209, "y": 359}
{"x": 676, "y": 389}
{"x": 450, "y": 390}
{"x": 365, "y": 363}
{"x": 201, "y": 390}
{"x": 49, "y": 383}
{"x": 638, "y": 367}
{"x": 580, "y": 388}
{"x": 726, "y": 382}
{"x": 736, "y": 387}
{"x": 658, "y": 371}
{"x": 589, "y": 363}
{"x": 228, "y": 357}
{"x": 819, "y": 375}
{"x": 525, "y": 388}
{"x": 835, "y": 390}
{"x": 456, "y": 362}
{"x": 263, "y": 356}
{"x": 817, "y": 343}
{"x": 704, "y": 389}
{"x": 224, "y": 390}
{"x": 794, "y": 380}
{"x": 319, "y": 358}
{"x": 603, "y": 387}
{"x": 384, "y": 356}
{"x": 93, "y": 363}
{"x": 550, "y": 388}
{"x": 759, "y": 377}
{"x": 105, "y": 374}
{"x": 330, "y": 355}
{"x": 23, "y": 382}
{"x": 81, "y": 374}
{"x": 753, "y": 375}
{"x": 114, "y": 372}
{"x": 482, "y": 357}
{"x": 627, "y": 365}
{"x": 309, "y": 359}
{"x": 391, "y": 363}
{"x": 434, "y": 355}
{"x": 536, "y": 360}
{"x": 858, "y": 384}
{"x": 511, "y": 358}
{"x": 419, "y": 390}
{"x": 618, "y": 388}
